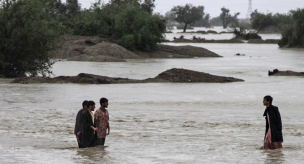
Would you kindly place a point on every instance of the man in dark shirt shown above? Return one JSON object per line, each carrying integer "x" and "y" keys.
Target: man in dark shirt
{"x": 78, "y": 123}
{"x": 273, "y": 134}
{"x": 88, "y": 129}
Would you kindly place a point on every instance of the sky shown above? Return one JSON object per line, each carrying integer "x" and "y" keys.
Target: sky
{"x": 213, "y": 7}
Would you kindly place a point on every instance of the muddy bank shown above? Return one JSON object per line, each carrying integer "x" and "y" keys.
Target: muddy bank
{"x": 203, "y": 40}
{"x": 207, "y": 32}
{"x": 173, "y": 75}
{"x": 95, "y": 49}
{"x": 276, "y": 72}
{"x": 5, "y": 80}
{"x": 166, "y": 51}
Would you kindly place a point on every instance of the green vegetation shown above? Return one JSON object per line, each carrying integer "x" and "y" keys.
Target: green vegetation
{"x": 216, "y": 21}
{"x": 260, "y": 21}
{"x": 29, "y": 29}
{"x": 227, "y": 18}
{"x": 26, "y": 36}
{"x": 188, "y": 14}
{"x": 293, "y": 34}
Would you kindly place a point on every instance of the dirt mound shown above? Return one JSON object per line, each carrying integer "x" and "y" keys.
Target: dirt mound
{"x": 173, "y": 76}
{"x": 189, "y": 51}
{"x": 91, "y": 48}
{"x": 188, "y": 76}
{"x": 276, "y": 72}
{"x": 95, "y": 49}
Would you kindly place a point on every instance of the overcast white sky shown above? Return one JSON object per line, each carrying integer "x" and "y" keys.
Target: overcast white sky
{"x": 213, "y": 7}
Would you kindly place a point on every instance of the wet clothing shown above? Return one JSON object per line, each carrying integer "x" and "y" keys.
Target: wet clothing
{"x": 78, "y": 124}
{"x": 87, "y": 133}
{"x": 101, "y": 119}
{"x": 273, "y": 135}
{"x": 78, "y": 121}
{"x": 100, "y": 141}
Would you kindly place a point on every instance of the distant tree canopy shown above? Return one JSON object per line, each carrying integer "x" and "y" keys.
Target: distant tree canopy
{"x": 188, "y": 14}
{"x": 293, "y": 33}
{"x": 216, "y": 21}
{"x": 227, "y": 18}
{"x": 204, "y": 22}
{"x": 130, "y": 23}
{"x": 260, "y": 21}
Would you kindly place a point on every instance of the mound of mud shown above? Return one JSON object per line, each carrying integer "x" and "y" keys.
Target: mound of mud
{"x": 173, "y": 76}
{"x": 276, "y": 72}
{"x": 188, "y": 76}
{"x": 95, "y": 49}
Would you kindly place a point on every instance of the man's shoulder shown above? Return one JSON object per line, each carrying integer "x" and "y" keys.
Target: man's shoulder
{"x": 81, "y": 110}
{"x": 274, "y": 107}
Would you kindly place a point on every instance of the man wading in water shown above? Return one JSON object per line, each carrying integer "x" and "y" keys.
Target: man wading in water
{"x": 101, "y": 119}
{"x": 88, "y": 130}
{"x": 273, "y": 135}
{"x": 78, "y": 123}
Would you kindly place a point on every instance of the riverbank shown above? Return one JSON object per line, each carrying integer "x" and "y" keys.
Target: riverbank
{"x": 173, "y": 75}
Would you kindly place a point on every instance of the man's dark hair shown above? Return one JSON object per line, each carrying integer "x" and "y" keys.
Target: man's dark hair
{"x": 90, "y": 103}
{"x": 85, "y": 103}
{"x": 269, "y": 99}
{"x": 103, "y": 100}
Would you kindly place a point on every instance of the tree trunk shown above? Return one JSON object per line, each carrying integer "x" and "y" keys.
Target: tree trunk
{"x": 185, "y": 28}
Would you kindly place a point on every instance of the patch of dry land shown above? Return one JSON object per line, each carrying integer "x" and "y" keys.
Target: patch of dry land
{"x": 5, "y": 80}
{"x": 276, "y": 72}
{"x": 172, "y": 76}
{"x": 92, "y": 48}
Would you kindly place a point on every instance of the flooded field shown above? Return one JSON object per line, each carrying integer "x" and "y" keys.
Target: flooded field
{"x": 163, "y": 122}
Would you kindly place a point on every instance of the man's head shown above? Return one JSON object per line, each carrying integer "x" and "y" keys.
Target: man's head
{"x": 91, "y": 105}
{"x": 267, "y": 101}
{"x": 85, "y": 104}
{"x": 104, "y": 102}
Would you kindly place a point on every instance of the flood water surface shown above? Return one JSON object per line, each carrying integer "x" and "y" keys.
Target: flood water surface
{"x": 161, "y": 122}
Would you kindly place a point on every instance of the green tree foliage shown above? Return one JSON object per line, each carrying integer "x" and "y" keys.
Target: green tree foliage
{"x": 188, "y": 14}
{"x": 130, "y": 23}
{"x": 293, "y": 34}
{"x": 216, "y": 21}
{"x": 204, "y": 22}
{"x": 72, "y": 8}
{"x": 54, "y": 10}
{"x": 260, "y": 21}
{"x": 25, "y": 38}
{"x": 227, "y": 18}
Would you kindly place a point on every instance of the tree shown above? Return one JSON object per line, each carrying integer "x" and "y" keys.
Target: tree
{"x": 293, "y": 34}
{"x": 204, "y": 22}
{"x": 227, "y": 18}
{"x": 73, "y": 8}
{"x": 188, "y": 14}
{"x": 54, "y": 10}
{"x": 260, "y": 21}
{"x": 25, "y": 38}
{"x": 216, "y": 21}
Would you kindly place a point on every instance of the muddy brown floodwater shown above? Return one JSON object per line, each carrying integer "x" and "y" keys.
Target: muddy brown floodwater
{"x": 161, "y": 122}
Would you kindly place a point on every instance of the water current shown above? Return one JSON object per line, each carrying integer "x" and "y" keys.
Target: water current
{"x": 161, "y": 122}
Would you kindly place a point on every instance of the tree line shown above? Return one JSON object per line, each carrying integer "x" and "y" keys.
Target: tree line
{"x": 29, "y": 29}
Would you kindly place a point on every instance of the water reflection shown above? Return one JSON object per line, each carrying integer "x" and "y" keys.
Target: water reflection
{"x": 274, "y": 156}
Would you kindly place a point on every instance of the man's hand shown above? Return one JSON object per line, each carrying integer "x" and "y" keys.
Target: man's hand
{"x": 108, "y": 131}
